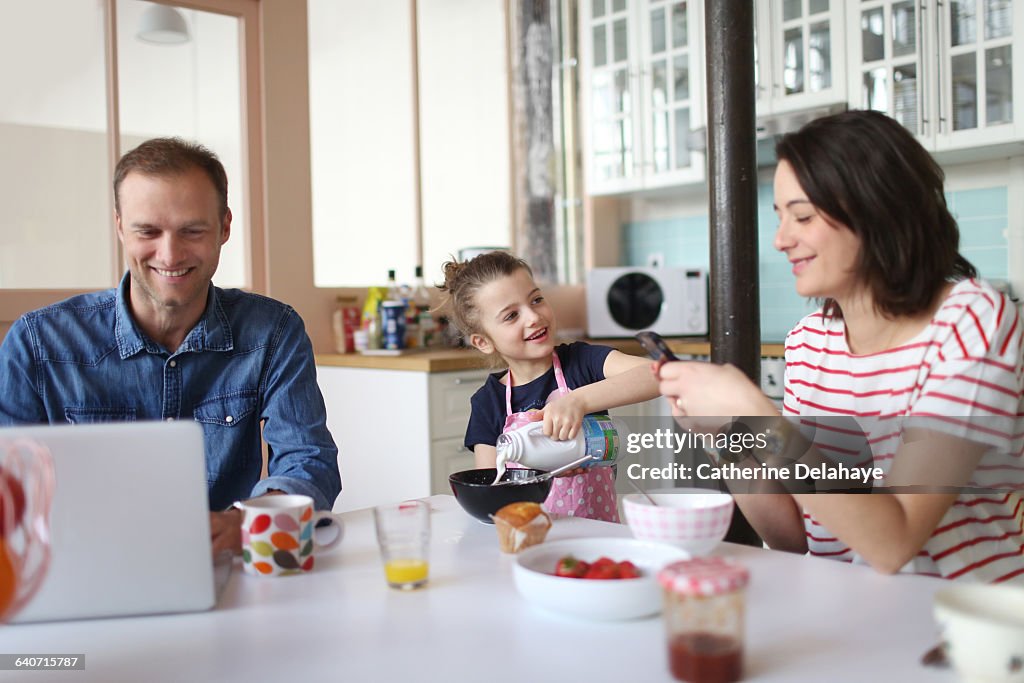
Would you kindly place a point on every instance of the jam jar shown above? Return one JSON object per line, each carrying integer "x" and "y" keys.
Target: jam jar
{"x": 704, "y": 619}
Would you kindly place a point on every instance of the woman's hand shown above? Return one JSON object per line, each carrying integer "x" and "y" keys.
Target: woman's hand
{"x": 563, "y": 417}
{"x": 706, "y": 389}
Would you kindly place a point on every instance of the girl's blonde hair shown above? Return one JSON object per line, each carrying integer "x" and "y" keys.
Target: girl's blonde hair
{"x": 463, "y": 280}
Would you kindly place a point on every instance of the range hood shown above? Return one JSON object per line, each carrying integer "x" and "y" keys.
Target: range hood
{"x": 770, "y": 128}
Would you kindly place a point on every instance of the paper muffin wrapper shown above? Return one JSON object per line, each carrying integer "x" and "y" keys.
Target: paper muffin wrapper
{"x": 513, "y": 539}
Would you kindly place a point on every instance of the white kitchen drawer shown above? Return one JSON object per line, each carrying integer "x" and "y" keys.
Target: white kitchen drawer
{"x": 449, "y": 401}
{"x": 447, "y": 456}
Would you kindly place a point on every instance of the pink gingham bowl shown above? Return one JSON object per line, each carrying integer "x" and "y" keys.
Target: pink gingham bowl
{"x": 689, "y": 518}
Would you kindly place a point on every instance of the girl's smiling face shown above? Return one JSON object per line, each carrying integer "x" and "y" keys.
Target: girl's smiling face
{"x": 516, "y": 320}
{"x": 823, "y": 253}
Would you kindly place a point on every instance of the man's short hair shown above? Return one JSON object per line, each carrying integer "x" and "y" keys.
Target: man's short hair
{"x": 172, "y": 156}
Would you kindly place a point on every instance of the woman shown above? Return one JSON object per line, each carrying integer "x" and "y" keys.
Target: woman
{"x": 908, "y": 341}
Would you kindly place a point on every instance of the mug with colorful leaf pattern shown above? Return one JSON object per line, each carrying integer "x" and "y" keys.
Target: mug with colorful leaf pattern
{"x": 277, "y": 534}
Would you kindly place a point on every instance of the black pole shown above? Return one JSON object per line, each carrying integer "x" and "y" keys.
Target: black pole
{"x": 732, "y": 182}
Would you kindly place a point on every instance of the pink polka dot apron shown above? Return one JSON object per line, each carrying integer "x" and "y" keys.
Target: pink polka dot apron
{"x": 591, "y": 494}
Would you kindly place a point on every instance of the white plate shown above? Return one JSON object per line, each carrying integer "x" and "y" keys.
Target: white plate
{"x": 534, "y": 575}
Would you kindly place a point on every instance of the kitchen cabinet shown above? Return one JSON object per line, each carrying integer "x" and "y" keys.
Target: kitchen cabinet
{"x": 946, "y": 69}
{"x": 399, "y": 432}
{"x": 799, "y": 54}
{"x": 642, "y": 72}
{"x": 410, "y": 170}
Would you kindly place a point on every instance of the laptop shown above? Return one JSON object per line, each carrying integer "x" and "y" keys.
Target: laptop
{"x": 129, "y": 521}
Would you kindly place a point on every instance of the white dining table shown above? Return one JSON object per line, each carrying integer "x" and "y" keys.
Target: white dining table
{"x": 808, "y": 619}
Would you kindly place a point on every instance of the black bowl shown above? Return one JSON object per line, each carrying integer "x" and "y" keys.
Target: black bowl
{"x": 473, "y": 490}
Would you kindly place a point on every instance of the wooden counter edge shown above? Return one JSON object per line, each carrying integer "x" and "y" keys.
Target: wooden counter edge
{"x": 451, "y": 360}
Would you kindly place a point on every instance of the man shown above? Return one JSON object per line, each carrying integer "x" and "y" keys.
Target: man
{"x": 166, "y": 344}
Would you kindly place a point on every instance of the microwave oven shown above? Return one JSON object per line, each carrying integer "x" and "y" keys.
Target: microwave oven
{"x": 671, "y": 301}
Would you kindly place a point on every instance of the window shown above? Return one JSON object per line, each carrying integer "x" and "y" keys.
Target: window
{"x": 61, "y": 137}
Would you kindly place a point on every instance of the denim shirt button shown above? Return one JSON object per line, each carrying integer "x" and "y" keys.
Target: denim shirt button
{"x": 229, "y": 419}
{"x": 173, "y": 363}
{"x": 170, "y": 419}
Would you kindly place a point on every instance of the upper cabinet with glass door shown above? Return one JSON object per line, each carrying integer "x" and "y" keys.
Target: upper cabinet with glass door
{"x": 642, "y": 93}
{"x": 800, "y": 55}
{"x": 945, "y": 70}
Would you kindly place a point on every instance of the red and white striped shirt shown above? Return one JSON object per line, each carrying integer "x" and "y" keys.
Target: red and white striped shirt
{"x": 963, "y": 375}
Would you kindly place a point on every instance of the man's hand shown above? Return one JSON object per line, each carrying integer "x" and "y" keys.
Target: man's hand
{"x": 226, "y": 531}
{"x": 226, "y": 528}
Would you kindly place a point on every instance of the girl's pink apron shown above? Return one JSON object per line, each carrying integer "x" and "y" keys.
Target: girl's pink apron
{"x": 591, "y": 494}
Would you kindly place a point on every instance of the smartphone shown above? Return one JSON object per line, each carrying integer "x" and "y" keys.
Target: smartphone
{"x": 656, "y": 347}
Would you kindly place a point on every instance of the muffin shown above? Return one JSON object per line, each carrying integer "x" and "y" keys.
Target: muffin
{"x": 521, "y": 525}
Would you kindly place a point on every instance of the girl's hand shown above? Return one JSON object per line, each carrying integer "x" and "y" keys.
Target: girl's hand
{"x": 563, "y": 417}
{"x": 707, "y": 389}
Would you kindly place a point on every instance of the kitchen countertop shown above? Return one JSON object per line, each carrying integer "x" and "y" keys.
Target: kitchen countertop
{"x": 448, "y": 360}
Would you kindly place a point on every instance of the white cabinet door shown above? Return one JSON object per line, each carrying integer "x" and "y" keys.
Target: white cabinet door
{"x": 449, "y": 401}
{"x": 379, "y": 420}
{"x": 977, "y": 78}
{"x": 945, "y": 70}
{"x": 889, "y": 69}
{"x": 672, "y": 77}
{"x": 801, "y": 54}
{"x": 448, "y": 456}
{"x": 642, "y": 73}
{"x": 609, "y": 77}
{"x": 465, "y": 164}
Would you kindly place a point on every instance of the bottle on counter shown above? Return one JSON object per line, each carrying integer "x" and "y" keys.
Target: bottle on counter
{"x": 600, "y": 437}
{"x": 371, "y": 324}
{"x": 394, "y": 292}
{"x": 427, "y": 330}
{"x": 419, "y": 323}
{"x": 345, "y": 321}
{"x": 392, "y": 325}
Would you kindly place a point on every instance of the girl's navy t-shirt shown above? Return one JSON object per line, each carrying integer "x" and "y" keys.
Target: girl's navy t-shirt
{"x": 582, "y": 364}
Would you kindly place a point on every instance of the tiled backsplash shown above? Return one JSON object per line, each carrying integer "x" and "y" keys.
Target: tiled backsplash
{"x": 981, "y": 213}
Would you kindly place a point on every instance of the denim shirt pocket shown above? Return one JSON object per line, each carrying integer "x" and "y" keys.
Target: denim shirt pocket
{"x": 84, "y": 415}
{"x": 225, "y": 420}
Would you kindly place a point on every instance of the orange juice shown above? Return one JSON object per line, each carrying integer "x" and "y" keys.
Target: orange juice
{"x": 406, "y": 573}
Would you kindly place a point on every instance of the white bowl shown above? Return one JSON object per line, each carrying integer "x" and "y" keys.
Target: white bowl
{"x": 983, "y": 628}
{"x": 693, "y": 519}
{"x": 534, "y": 574}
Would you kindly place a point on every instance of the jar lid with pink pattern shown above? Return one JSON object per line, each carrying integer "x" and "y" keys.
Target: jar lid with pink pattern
{"x": 704, "y": 576}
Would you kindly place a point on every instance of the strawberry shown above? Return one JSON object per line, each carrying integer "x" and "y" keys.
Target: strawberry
{"x": 601, "y": 569}
{"x": 628, "y": 570}
{"x": 571, "y": 568}
{"x": 602, "y": 572}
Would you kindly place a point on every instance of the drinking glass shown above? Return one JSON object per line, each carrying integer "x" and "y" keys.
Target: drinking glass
{"x": 403, "y": 533}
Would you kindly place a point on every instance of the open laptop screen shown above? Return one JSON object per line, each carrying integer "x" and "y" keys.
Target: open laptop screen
{"x": 129, "y": 523}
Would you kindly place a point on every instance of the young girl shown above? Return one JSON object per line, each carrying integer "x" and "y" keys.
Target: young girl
{"x": 494, "y": 301}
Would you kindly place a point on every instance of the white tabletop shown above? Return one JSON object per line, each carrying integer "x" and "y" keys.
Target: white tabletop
{"x": 807, "y": 620}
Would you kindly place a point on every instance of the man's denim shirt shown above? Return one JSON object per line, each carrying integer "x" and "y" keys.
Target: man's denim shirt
{"x": 247, "y": 361}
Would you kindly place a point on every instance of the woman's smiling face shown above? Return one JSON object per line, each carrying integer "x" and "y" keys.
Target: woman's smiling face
{"x": 823, "y": 254}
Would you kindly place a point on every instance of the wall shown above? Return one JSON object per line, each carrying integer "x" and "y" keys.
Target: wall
{"x": 979, "y": 195}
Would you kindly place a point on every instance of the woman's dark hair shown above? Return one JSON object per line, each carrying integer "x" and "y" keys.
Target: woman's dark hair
{"x": 864, "y": 170}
